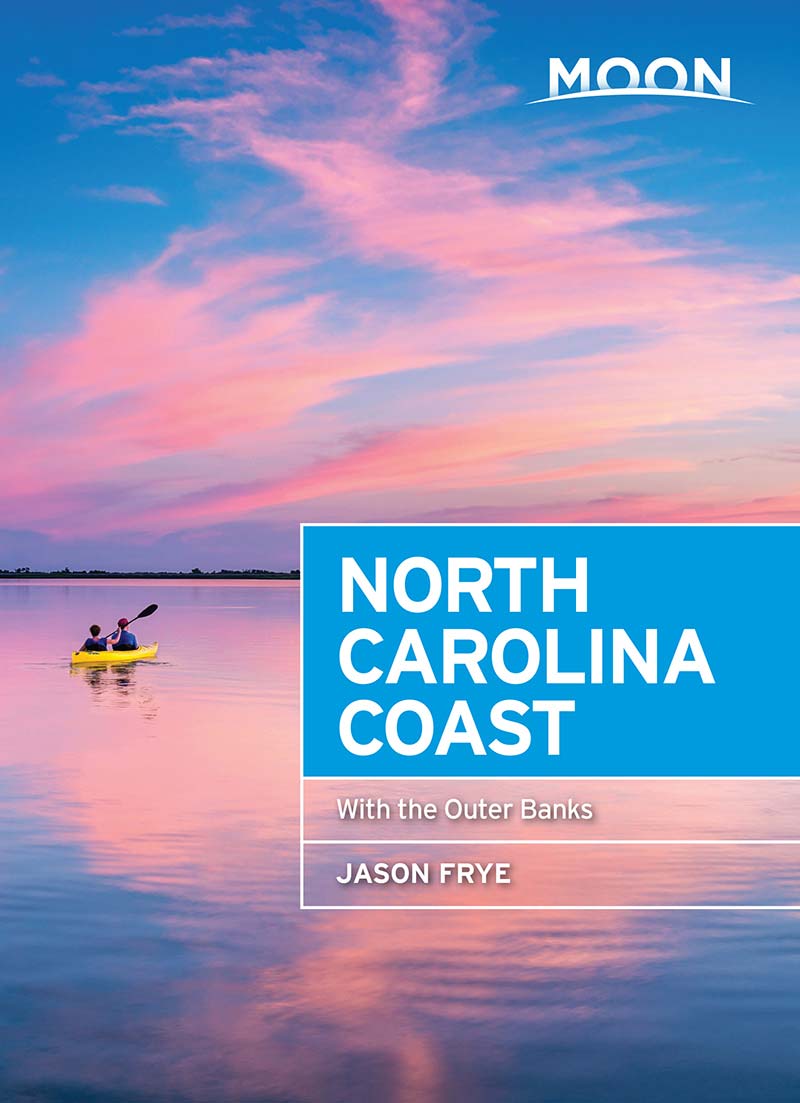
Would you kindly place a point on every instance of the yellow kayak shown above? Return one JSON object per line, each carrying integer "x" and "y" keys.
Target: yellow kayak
{"x": 147, "y": 651}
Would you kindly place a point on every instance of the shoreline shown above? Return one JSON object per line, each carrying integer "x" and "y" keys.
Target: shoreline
{"x": 189, "y": 576}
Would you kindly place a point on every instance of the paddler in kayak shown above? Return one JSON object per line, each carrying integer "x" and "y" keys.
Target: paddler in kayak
{"x": 123, "y": 640}
{"x": 94, "y": 641}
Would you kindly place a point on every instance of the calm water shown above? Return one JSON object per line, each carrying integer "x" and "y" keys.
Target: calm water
{"x": 150, "y": 943}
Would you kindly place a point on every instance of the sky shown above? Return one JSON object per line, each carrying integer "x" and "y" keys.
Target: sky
{"x": 270, "y": 263}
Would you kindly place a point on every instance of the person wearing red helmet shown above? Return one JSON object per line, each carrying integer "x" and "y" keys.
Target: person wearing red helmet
{"x": 123, "y": 640}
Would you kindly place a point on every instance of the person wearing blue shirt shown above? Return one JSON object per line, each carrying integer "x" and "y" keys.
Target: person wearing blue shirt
{"x": 94, "y": 642}
{"x": 123, "y": 640}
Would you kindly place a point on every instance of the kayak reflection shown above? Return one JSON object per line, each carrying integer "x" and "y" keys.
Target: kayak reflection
{"x": 118, "y": 685}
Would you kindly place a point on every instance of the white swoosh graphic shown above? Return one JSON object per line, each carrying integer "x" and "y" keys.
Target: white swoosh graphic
{"x": 640, "y": 92}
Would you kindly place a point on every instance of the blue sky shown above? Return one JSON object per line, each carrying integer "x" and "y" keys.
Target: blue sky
{"x": 123, "y": 154}
{"x": 740, "y": 164}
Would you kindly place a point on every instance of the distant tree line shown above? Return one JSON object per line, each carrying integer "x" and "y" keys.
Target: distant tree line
{"x": 196, "y": 572}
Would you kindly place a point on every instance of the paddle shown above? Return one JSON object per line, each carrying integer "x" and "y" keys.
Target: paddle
{"x": 148, "y": 612}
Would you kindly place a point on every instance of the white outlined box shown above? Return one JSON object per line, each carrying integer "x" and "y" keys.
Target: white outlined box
{"x": 739, "y": 841}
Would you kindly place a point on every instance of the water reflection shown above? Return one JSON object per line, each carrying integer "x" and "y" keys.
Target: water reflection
{"x": 118, "y": 684}
{"x": 152, "y": 949}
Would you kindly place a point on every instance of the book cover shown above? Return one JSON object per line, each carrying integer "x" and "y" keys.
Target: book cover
{"x": 398, "y": 552}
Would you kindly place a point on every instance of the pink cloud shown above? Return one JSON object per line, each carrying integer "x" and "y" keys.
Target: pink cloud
{"x": 40, "y": 80}
{"x": 673, "y": 508}
{"x": 126, "y": 193}
{"x": 229, "y": 360}
{"x": 236, "y": 17}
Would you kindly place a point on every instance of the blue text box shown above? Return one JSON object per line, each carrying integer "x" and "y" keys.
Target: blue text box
{"x": 735, "y": 586}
